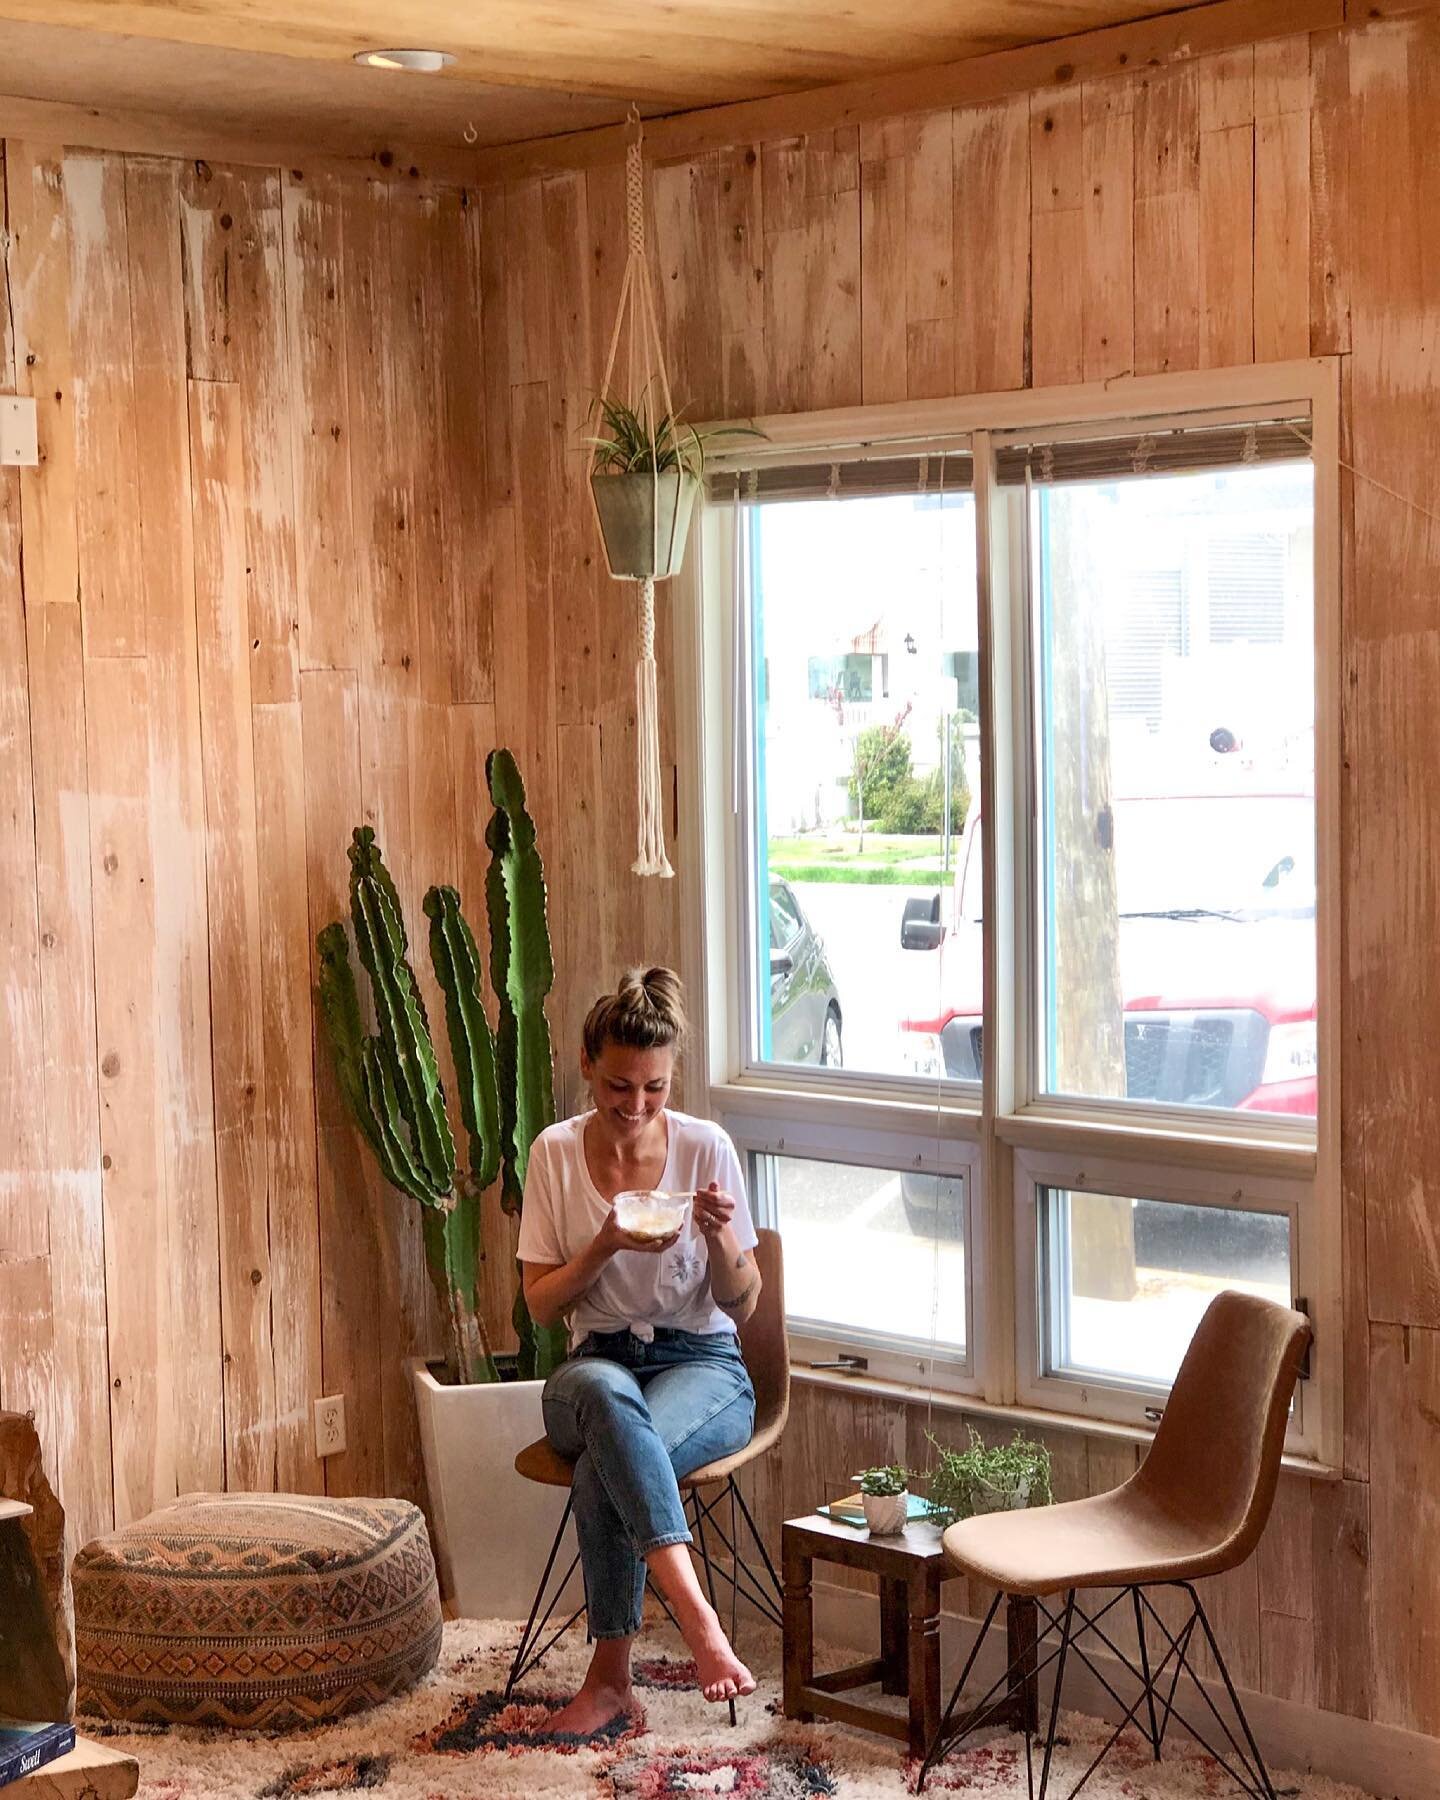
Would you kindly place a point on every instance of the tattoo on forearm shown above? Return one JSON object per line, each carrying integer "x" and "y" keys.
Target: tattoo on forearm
{"x": 740, "y": 1299}
{"x": 740, "y": 1260}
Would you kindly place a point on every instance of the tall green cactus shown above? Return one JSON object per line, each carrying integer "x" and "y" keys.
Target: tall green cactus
{"x": 522, "y": 973}
{"x": 391, "y": 1080}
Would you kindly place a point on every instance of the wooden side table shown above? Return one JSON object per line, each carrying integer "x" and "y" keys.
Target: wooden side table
{"x": 911, "y": 1566}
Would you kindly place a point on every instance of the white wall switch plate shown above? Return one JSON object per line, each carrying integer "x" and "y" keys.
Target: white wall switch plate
{"x": 19, "y": 443}
{"x": 330, "y": 1425}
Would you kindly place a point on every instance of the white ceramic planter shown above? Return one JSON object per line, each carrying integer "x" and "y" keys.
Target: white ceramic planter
{"x": 885, "y": 1514}
{"x": 990, "y": 1499}
{"x": 495, "y": 1528}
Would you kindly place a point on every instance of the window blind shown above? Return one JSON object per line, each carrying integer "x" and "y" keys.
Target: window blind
{"x": 1166, "y": 450}
{"x": 946, "y": 472}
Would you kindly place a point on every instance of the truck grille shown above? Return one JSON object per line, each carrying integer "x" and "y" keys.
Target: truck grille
{"x": 1183, "y": 1058}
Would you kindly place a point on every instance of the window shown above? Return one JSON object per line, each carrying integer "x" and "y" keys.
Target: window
{"x": 882, "y": 1250}
{"x": 861, "y": 784}
{"x": 1023, "y": 1092}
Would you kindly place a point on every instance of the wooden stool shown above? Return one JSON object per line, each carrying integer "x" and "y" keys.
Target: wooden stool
{"x": 911, "y": 1566}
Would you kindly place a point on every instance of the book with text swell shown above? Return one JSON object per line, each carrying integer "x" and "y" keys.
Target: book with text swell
{"x": 27, "y": 1747}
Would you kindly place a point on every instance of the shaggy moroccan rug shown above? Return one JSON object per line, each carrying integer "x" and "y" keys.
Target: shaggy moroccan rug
{"x": 454, "y": 1736}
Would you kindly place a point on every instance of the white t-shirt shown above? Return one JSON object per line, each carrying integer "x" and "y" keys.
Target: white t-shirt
{"x": 637, "y": 1289}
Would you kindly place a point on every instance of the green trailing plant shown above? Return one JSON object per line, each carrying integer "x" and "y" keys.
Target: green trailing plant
{"x": 886, "y": 1479}
{"x": 390, "y": 1079}
{"x": 981, "y": 1479}
{"x": 632, "y": 441}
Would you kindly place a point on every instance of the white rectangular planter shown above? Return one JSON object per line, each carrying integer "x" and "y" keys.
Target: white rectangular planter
{"x": 495, "y": 1528}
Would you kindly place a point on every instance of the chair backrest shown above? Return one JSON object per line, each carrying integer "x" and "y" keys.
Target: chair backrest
{"x": 762, "y": 1337}
{"x": 1216, "y": 1456}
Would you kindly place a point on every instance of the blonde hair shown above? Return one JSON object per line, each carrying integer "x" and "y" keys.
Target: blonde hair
{"x": 646, "y": 1012}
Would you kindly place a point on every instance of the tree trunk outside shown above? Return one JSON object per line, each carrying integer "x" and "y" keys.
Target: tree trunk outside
{"x": 1088, "y": 1001}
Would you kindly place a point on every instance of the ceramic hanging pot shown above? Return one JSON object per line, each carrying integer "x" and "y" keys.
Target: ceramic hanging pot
{"x": 645, "y": 520}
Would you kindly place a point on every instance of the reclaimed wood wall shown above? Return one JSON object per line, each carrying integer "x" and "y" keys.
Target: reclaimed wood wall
{"x": 311, "y": 536}
{"x": 269, "y": 582}
{"x": 1261, "y": 204}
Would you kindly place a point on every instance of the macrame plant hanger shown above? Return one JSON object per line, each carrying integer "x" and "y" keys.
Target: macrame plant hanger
{"x": 646, "y": 384}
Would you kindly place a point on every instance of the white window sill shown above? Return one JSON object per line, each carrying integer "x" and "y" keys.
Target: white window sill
{"x": 941, "y": 1400}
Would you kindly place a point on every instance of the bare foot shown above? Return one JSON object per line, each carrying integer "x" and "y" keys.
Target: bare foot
{"x": 720, "y": 1672}
{"x": 592, "y": 1708}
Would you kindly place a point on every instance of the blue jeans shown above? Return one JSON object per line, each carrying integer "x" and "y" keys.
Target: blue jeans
{"x": 634, "y": 1418}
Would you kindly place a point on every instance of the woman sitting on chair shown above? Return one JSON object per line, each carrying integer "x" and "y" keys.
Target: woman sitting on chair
{"x": 655, "y": 1385}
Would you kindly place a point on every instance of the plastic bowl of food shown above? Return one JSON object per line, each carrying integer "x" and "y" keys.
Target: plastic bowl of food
{"x": 648, "y": 1213}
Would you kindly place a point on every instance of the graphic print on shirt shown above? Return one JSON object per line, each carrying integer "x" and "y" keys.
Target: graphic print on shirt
{"x": 685, "y": 1266}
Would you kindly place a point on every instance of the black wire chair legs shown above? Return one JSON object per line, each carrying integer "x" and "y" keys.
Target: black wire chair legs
{"x": 1152, "y": 1710}
{"x": 746, "y": 1570}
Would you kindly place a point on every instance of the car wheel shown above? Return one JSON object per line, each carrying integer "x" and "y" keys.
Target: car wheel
{"x": 831, "y": 1054}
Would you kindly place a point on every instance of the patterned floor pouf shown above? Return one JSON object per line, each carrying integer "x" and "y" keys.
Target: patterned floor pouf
{"x": 263, "y": 1611}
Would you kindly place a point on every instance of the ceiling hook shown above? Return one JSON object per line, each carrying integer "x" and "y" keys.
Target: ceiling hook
{"x": 470, "y": 134}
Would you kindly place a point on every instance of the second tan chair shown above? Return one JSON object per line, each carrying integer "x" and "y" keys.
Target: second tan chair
{"x": 1196, "y": 1507}
{"x": 707, "y": 1491}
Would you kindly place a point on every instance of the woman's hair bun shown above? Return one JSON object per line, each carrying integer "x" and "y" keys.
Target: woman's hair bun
{"x": 646, "y": 1012}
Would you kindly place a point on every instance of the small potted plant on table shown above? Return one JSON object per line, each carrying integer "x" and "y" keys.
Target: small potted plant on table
{"x": 886, "y": 1497}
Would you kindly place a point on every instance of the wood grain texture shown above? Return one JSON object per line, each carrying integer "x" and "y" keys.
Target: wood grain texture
{"x": 292, "y": 1210}
{"x": 106, "y": 451}
{"x": 884, "y": 334}
{"x": 1341, "y": 1562}
{"x": 1057, "y": 250}
{"x": 1158, "y": 42}
{"x": 349, "y": 1188}
{"x": 1108, "y": 201}
{"x": 37, "y": 326}
{"x": 69, "y": 1074}
{"x": 233, "y": 881}
{"x": 137, "y": 1244}
{"x": 1395, "y": 295}
{"x": 1329, "y": 193}
{"x": 1404, "y": 1526}
{"x": 177, "y": 812}
{"x": 811, "y": 212}
{"x": 246, "y": 367}
{"x": 23, "y": 1160}
{"x": 315, "y": 312}
{"x": 991, "y": 243}
{"x": 1167, "y": 221}
{"x": 641, "y": 48}
{"x": 1227, "y": 244}
{"x": 7, "y": 318}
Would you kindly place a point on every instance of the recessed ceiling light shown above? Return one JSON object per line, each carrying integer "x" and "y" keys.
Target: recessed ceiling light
{"x": 420, "y": 62}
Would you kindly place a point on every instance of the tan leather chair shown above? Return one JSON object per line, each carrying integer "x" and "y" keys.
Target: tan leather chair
{"x": 1196, "y": 1507}
{"x": 767, "y": 1356}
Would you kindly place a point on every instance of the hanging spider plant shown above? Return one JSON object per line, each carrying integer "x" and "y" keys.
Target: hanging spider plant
{"x": 645, "y": 473}
{"x": 633, "y": 445}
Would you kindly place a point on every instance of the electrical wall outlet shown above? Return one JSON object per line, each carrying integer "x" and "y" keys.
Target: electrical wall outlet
{"x": 19, "y": 444}
{"x": 330, "y": 1425}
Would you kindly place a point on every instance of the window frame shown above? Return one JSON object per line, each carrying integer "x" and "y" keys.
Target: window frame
{"x": 1135, "y": 1403}
{"x": 1003, "y": 1117}
{"x": 759, "y": 1134}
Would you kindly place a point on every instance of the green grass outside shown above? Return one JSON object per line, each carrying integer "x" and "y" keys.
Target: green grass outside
{"x": 902, "y": 875}
{"x": 886, "y": 860}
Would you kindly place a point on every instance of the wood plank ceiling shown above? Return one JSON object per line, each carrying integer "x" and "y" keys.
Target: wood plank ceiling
{"x": 516, "y": 75}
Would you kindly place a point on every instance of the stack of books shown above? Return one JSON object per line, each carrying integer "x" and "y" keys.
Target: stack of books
{"x": 26, "y": 1747}
{"x": 851, "y": 1510}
